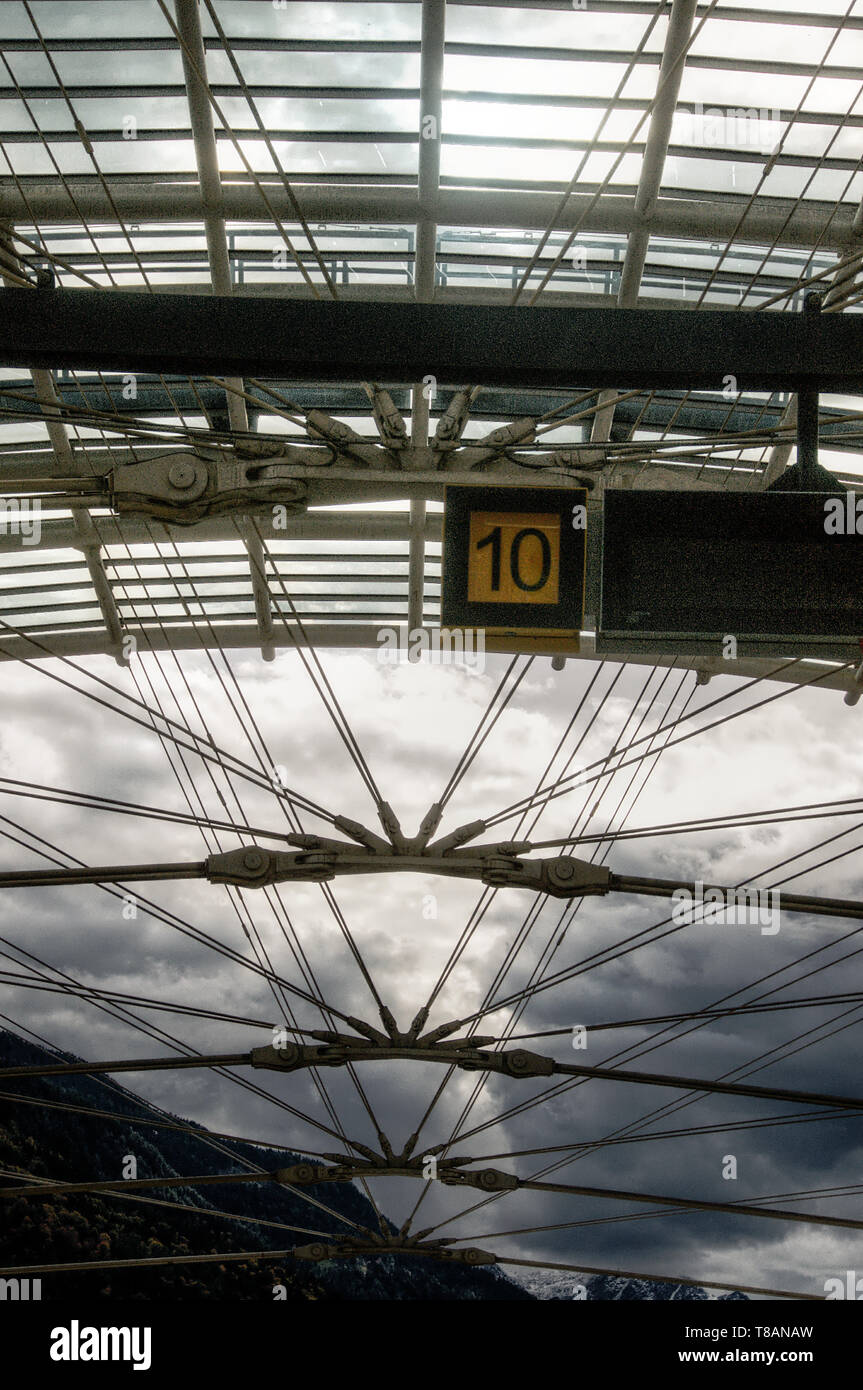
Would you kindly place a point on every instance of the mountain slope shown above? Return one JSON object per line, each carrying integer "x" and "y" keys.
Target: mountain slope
{"x": 62, "y": 1145}
{"x": 66, "y": 1146}
{"x": 552, "y": 1284}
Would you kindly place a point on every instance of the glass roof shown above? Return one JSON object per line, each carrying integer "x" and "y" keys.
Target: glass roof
{"x": 556, "y": 132}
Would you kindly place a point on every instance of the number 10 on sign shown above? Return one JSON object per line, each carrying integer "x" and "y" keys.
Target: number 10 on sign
{"x": 514, "y": 559}
{"x": 513, "y": 563}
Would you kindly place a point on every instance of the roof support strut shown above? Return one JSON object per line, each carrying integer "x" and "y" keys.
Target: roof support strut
{"x": 206, "y": 157}
{"x": 86, "y": 536}
{"x": 650, "y": 179}
{"x": 431, "y": 80}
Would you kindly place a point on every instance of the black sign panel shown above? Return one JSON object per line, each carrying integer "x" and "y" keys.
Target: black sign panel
{"x": 513, "y": 559}
{"x": 696, "y": 565}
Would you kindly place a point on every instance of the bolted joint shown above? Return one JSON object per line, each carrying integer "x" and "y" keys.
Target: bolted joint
{"x": 161, "y": 487}
{"x": 305, "y": 1174}
{"x": 419, "y": 1023}
{"x": 565, "y": 877}
{"x": 495, "y": 1180}
{"x": 248, "y": 867}
{"x": 392, "y": 829}
{"x": 516, "y": 433}
{"x": 185, "y": 487}
{"x": 505, "y": 871}
{"x": 458, "y": 837}
{"x": 451, "y": 425}
{"x": 388, "y": 1020}
{"x": 486, "y": 1180}
{"x": 252, "y": 867}
{"x": 183, "y": 475}
{"x": 389, "y": 420}
{"x": 293, "y": 1056}
{"x": 520, "y": 1062}
{"x": 325, "y": 427}
{"x": 279, "y": 1058}
{"x": 430, "y": 822}
{"x": 470, "y": 1255}
{"x": 317, "y": 1251}
{"x": 362, "y": 834}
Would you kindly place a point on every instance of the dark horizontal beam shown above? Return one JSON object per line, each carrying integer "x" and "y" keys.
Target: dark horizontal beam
{"x": 320, "y": 341}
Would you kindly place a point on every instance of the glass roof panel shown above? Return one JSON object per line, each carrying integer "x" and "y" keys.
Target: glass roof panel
{"x": 750, "y": 203}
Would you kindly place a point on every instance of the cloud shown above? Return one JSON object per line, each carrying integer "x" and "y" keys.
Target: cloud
{"x": 411, "y": 724}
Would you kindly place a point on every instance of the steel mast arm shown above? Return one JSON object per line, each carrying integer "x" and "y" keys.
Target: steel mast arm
{"x": 501, "y": 865}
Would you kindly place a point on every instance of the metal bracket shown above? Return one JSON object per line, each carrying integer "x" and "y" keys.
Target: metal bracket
{"x": 308, "y": 1174}
{"x": 519, "y": 432}
{"x": 463, "y": 1053}
{"x": 388, "y": 418}
{"x": 185, "y": 487}
{"x": 349, "y": 1169}
{"x": 467, "y": 1255}
{"x": 853, "y": 695}
{"x": 451, "y": 425}
{"x": 345, "y": 440}
{"x": 486, "y": 1180}
{"x": 251, "y": 867}
{"x": 498, "y": 866}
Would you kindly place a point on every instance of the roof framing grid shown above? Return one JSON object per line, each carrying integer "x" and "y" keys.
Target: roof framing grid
{"x": 86, "y": 537}
{"x": 206, "y": 155}
{"x": 231, "y": 210}
{"x": 428, "y": 188}
{"x": 840, "y": 282}
{"x": 650, "y": 179}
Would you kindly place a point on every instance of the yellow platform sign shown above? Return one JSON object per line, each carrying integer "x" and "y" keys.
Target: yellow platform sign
{"x": 514, "y": 557}
{"x": 513, "y": 565}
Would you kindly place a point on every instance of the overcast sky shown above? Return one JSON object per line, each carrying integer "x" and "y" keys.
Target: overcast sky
{"x": 412, "y": 723}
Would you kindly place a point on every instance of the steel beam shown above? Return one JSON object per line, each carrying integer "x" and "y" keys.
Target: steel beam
{"x": 313, "y": 526}
{"x": 650, "y": 179}
{"x": 86, "y": 537}
{"x": 781, "y": 220}
{"x": 207, "y": 159}
{"x": 428, "y": 188}
{"x": 181, "y": 637}
{"x": 428, "y": 179}
{"x": 113, "y": 330}
{"x": 845, "y": 275}
{"x": 444, "y": 294}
